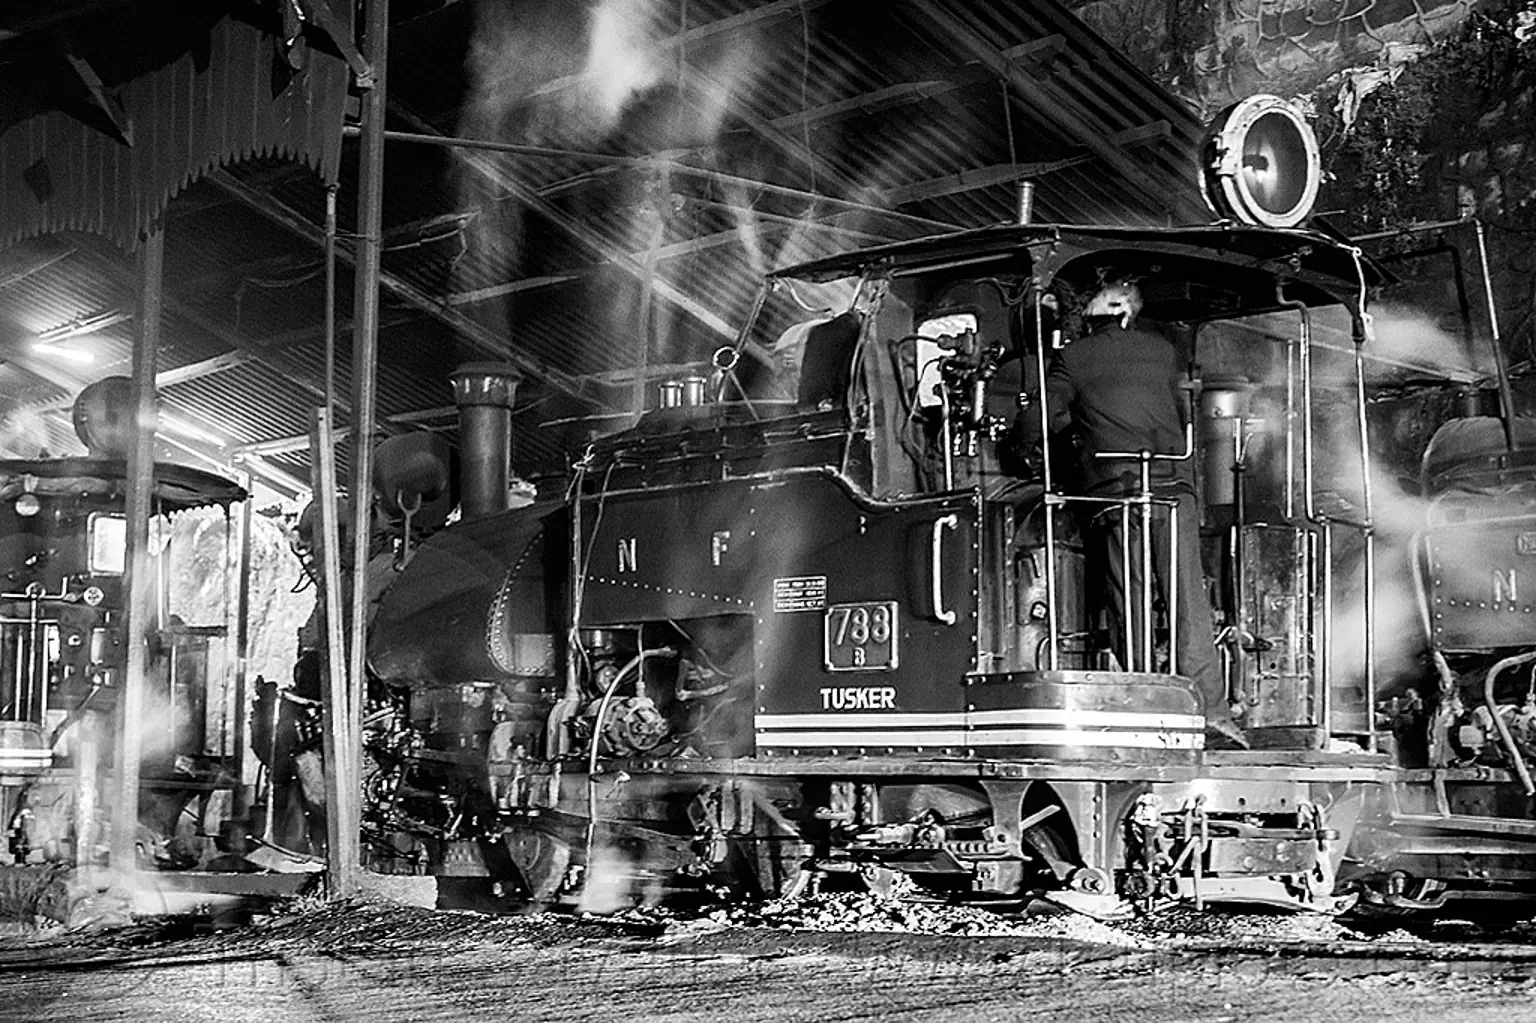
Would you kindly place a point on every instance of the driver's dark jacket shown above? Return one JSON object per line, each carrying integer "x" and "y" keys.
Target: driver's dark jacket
{"x": 1120, "y": 389}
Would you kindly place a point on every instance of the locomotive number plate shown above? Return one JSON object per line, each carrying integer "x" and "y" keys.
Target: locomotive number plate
{"x": 860, "y": 637}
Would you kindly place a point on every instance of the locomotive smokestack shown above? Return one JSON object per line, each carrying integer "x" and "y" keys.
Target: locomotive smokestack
{"x": 484, "y": 392}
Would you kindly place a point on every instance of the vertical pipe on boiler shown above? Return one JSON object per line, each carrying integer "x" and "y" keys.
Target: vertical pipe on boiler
{"x": 1052, "y": 616}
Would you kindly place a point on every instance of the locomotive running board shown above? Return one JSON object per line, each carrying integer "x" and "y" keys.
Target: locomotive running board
{"x": 1235, "y": 765}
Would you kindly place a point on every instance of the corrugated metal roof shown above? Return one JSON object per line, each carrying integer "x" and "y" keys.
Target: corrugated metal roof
{"x": 767, "y": 132}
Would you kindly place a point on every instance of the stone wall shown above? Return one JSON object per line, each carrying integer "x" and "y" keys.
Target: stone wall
{"x": 1425, "y": 112}
{"x": 1212, "y": 53}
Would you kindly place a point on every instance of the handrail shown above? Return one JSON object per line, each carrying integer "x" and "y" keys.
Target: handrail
{"x": 936, "y": 576}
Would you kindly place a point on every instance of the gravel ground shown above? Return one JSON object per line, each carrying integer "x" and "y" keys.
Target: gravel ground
{"x": 823, "y": 957}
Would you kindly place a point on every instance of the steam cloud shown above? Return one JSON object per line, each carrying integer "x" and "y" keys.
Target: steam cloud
{"x": 1405, "y": 341}
{"x": 24, "y": 434}
{"x": 584, "y": 76}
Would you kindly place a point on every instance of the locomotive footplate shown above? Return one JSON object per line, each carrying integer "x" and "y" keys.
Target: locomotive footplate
{"x": 1255, "y": 765}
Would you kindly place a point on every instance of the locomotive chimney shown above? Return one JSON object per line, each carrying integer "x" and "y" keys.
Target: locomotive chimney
{"x": 484, "y": 392}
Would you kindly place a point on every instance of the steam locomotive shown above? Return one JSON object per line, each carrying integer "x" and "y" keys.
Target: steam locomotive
{"x": 829, "y": 611}
{"x": 63, "y": 653}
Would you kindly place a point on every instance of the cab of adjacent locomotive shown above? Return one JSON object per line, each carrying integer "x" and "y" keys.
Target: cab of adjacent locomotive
{"x": 61, "y": 562}
{"x": 63, "y": 556}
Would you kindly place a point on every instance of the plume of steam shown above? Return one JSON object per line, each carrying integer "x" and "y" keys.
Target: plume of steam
{"x": 1411, "y": 335}
{"x": 806, "y": 237}
{"x": 24, "y": 434}
{"x": 576, "y": 76}
{"x": 623, "y": 61}
{"x": 611, "y": 883}
{"x": 580, "y": 80}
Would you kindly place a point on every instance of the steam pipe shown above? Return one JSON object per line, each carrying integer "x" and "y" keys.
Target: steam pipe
{"x": 1515, "y": 759}
{"x": 947, "y": 437}
{"x": 1369, "y": 529}
{"x": 1463, "y": 303}
{"x": 1052, "y": 618}
{"x": 1173, "y": 588}
{"x": 1235, "y": 678}
{"x": 635, "y": 665}
{"x": 1305, "y": 359}
{"x": 1309, "y": 497}
{"x": 1325, "y": 658}
{"x": 1506, "y": 391}
{"x": 1398, "y": 232}
{"x": 1292, "y": 356}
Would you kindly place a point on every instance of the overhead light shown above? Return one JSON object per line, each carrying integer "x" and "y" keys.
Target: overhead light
{"x": 83, "y": 325}
{"x": 67, "y": 354}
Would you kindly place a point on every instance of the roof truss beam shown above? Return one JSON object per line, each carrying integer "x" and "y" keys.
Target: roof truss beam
{"x": 1064, "y": 115}
{"x": 875, "y": 101}
{"x": 494, "y": 168}
{"x": 1002, "y": 173}
{"x": 15, "y": 270}
{"x": 475, "y": 333}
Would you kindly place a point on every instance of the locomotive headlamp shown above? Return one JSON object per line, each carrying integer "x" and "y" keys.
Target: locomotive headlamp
{"x": 27, "y": 505}
{"x": 1259, "y": 164}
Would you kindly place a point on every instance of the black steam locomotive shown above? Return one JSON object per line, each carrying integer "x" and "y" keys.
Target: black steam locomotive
{"x": 834, "y": 609}
{"x": 63, "y": 652}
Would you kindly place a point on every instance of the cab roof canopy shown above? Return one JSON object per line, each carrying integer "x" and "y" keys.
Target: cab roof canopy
{"x": 1186, "y": 274}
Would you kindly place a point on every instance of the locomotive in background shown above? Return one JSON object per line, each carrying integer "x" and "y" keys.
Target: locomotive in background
{"x": 830, "y": 611}
{"x": 63, "y": 533}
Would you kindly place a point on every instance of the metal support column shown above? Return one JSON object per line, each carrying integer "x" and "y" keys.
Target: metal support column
{"x": 365, "y": 349}
{"x": 138, "y": 575}
{"x": 242, "y": 646}
{"x": 342, "y": 783}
